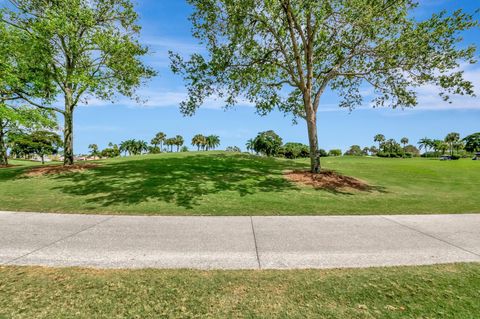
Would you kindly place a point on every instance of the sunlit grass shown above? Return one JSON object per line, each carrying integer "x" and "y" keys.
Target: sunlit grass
{"x": 218, "y": 183}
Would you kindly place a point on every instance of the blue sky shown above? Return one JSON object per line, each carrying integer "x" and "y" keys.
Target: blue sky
{"x": 166, "y": 27}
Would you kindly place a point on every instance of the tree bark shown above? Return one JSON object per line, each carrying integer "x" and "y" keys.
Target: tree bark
{"x": 315, "y": 166}
{"x": 3, "y": 147}
{"x": 68, "y": 137}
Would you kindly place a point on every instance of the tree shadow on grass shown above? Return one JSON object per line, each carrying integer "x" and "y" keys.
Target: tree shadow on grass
{"x": 182, "y": 181}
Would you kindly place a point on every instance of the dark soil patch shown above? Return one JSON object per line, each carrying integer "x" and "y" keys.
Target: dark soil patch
{"x": 329, "y": 180}
{"x": 58, "y": 169}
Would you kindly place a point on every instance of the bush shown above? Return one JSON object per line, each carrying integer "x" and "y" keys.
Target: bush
{"x": 389, "y": 155}
{"x": 354, "y": 150}
{"x": 335, "y": 152}
{"x": 233, "y": 149}
{"x": 322, "y": 153}
{"x": 431, "y": 154}
{"x": 184, "y": 149}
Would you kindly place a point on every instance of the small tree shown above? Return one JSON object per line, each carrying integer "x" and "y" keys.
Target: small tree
{"x": 452, "y": 139}
{"x": 404, "y": 142}
{"x": 425, "y": 143}
{"x": 159, "y": 139}
{"x": 212, "y": 142}
{"x": 93, "y": 150}
{"x": 355, "y": 150}
{"x": 267, "y": 143}
{"x": 380, "y": 139}
{"x": 335, "y": 152}
{"x": 179, "y": 142}
{"x": 21, "y": 119}
{"x": 39, "y": 143}
{"x": 472, "y": 143}
{"x": 199, "y": 141}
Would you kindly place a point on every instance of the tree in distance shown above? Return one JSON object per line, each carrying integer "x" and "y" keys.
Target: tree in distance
{"x": 158, "y": 140}
{"x": 39, "y": 143}
{"x": 94, "y": 151}
{"x": 267, "y": 143}
{"x": 472, "y": 143}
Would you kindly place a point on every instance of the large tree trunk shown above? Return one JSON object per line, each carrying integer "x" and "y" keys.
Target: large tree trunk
{"x": 3, "y": 147}
{"x": 315, "y": 166}
{"x": 68, "y": 136}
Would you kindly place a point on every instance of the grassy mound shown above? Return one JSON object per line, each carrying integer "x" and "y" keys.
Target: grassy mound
{"x": 217, "y": 183}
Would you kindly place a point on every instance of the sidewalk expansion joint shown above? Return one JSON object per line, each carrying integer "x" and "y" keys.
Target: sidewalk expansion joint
{"x": 432, "y": 236}
{"x": 255, "y": 241}
{"x": 59, "y": 240}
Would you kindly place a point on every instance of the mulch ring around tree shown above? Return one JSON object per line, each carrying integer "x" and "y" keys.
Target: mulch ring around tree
{"x": 329, "y": 180}
{"x": 58, "y": 169}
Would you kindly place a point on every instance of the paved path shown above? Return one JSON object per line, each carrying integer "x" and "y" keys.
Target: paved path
{"x": 236, "y": 242}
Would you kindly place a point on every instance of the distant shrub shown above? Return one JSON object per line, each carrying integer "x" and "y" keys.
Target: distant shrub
{"x": 154, "y": 150}
{"x": 408, "y": 155}
{"x": 322, "y": 153}
{"x": 410, "y": 149}
{"x": 294, "y": 150}
{"x": 233, "y": 149}
{"x": 184, "y": 149}
{"x": 335, "y": 152}
{"x": 389, "y": 155}
{"x": 355, "y": 150}
{"x": 431, "y": 154}
{"x": 455, "y": 157}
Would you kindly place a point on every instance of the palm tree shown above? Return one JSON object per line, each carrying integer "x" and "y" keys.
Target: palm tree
{"x": 159, "y": 139}
{"x": 170, "y": 142}
{"x": 93, "y": 150}
{"x": 179, "y": 141}
{"x": 404, "y": 141}
{"x": 127, "y": 146}
{"x": 425, "y": 143}
{"x": 452, "y": 139}
{"x": 380, "y": 138}
{"x": 140, "y": 147}
{"x": 250, "y": 145}
{"x": 212, "y": 141}
{"x": 199, "y": 141}
{"x": 443, "y": 147}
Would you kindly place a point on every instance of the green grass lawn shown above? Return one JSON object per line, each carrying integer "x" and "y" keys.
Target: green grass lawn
{"x": 218, "y": 183}
{"x": 444, "y": 291}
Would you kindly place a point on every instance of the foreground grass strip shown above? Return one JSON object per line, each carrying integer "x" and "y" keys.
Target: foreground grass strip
{"x": 443, "y": 291}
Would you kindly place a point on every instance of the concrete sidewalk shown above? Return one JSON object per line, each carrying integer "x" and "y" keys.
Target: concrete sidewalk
{"x": 236, "y": 242}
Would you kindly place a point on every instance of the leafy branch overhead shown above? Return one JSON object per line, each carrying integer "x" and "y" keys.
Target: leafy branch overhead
{"x": 260, "y": 49}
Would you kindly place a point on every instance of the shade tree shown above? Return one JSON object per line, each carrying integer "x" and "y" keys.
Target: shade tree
{"x": 72, "y": 51}
{"x": 285, "y": 54}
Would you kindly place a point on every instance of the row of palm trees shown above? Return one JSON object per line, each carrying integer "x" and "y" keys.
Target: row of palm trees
{"x": 451, "y": 142}
{"x": 137, "y": 147}
{"x": 206, "y": 143}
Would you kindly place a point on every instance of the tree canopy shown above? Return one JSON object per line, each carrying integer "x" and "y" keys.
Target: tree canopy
{"x": 73, "y": 51}
{"x": 284, "y": 54}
